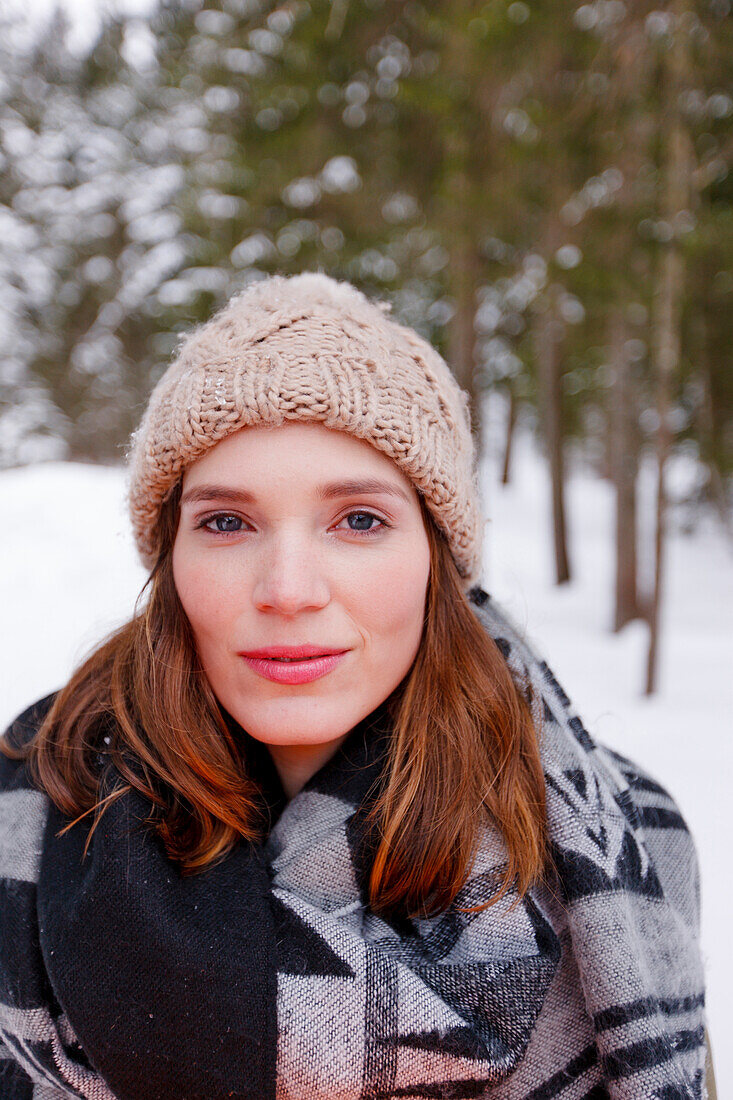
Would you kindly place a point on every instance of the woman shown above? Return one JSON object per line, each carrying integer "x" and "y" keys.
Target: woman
{"x": 349, "y": 838}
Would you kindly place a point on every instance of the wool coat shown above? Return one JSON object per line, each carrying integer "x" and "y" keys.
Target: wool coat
{"x": 269, "y": 978}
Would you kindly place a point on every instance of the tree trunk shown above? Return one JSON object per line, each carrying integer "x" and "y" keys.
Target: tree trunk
{"x": 706, "y": 423}
{"x": 546, "y": 335}
{"x": 459, "y": 223}
{"x": 461, "y": 332}
{"x": 508, "y": 439}
{"x": 624, "y": 465}
{"x": 667, "y": 357}
{"x": 668, "y": 304}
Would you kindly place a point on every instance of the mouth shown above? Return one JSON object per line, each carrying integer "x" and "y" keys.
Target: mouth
{"x": 291, "y": 660}
{"x": 294, "y": 670}
{"x": 293, "y": 652}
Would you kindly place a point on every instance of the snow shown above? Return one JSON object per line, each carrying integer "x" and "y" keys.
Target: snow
{"x": 69, "y": 575}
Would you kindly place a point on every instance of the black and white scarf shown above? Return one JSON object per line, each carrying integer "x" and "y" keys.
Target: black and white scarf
{"x": 268, "y": 978}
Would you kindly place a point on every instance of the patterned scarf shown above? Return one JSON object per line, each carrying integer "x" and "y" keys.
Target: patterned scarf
{"x": 268, "y": 978}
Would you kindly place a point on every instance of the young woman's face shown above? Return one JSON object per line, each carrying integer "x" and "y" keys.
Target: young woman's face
{"x": 274, "y": 548}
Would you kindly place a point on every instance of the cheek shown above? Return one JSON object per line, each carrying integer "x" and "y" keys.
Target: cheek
{"x": 206, "y": 594}
{"x": 391, "y": 595}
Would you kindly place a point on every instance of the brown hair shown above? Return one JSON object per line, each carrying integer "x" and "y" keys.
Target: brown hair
{"x": 463, "y": 749}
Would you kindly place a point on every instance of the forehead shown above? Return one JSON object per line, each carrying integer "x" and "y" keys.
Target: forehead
{"x": 296, "y": 449}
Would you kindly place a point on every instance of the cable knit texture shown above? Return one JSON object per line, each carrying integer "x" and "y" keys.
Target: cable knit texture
{"x": 310, "y": 348}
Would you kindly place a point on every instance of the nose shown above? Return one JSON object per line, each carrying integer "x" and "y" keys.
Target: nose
{"x": 291, "y": 576}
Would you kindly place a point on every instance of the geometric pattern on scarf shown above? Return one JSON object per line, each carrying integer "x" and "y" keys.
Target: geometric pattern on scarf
{"x": 591, "y": 987}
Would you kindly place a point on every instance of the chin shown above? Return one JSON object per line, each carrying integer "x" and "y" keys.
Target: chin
{"x": 294, "y": 722}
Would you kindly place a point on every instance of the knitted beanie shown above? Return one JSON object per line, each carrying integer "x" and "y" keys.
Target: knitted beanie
{"x": 307, "y": 347}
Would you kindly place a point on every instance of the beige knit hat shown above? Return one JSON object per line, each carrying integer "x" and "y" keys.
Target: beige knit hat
{"x": 310, "y": 348}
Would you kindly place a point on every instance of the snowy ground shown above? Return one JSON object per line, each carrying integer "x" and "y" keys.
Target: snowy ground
{"x": 68, "y": 574}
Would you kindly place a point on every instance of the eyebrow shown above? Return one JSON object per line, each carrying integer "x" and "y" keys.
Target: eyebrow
{"x": 329, "y": 491}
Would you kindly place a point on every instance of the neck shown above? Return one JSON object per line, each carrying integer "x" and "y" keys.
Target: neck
{"x": 296, "y": 764}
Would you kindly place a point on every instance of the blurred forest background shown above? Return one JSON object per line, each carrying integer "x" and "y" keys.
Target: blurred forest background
{"x": 543, "y": 190}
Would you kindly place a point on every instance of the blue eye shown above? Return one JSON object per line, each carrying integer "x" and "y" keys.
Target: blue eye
{"x": 360, "y": 523}
{"x": 225, "y": 524}
{"x": 361, "y": 517}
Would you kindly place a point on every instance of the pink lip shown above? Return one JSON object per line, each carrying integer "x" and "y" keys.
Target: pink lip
{"x": 294, "y": 672}
{"x": 291, "y": 651}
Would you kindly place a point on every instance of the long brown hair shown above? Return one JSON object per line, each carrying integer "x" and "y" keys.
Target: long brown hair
{"x": 463, "y": 751}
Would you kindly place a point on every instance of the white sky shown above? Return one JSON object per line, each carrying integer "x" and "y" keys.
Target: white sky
{"x": 85, "y": 15}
